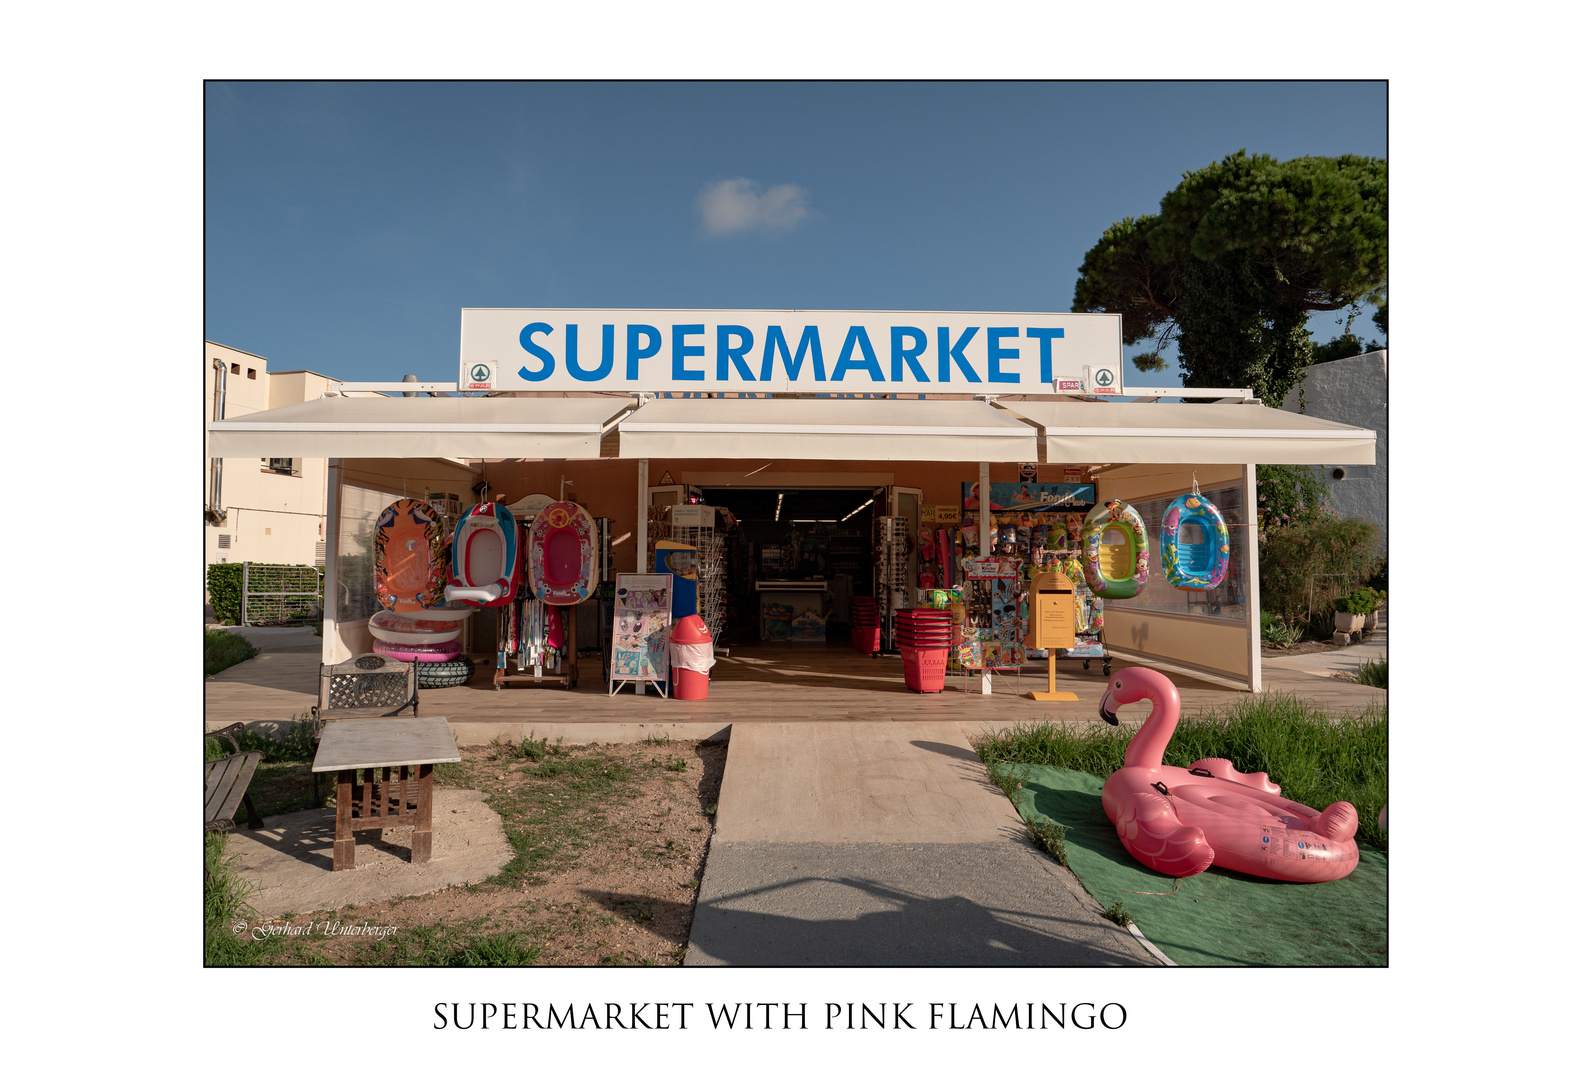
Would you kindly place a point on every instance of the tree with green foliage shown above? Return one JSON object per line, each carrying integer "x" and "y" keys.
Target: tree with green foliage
{"x": 1237, "y": 258}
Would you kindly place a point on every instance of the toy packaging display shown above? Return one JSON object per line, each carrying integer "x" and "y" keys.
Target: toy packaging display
{"x": 1181, "y": 821}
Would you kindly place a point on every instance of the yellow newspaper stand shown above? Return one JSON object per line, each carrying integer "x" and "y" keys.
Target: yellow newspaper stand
{"x": 1051, "y": 603}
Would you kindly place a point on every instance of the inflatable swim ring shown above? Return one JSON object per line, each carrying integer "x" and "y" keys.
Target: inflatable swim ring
{"x": 451, "y": 611}
{"x": 1198, "y": 566}
{"x": 1181, "y": 821}
{"x": 401, "y": 630}
{"x": 1123, "y": 518}
{"x": 410, "y": 556}
{"x": 427, "y": 654}
{"x": 561, "y": 546}
{"x": 487, "y": 563}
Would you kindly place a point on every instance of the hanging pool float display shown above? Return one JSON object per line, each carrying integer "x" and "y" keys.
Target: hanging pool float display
{"x": 487, "y": 560}
{"x": 561, "y": 542}
{"x": 410, "y": 556}
{"x": 1198, "y": 565}
{"x": 1120, "y": 571}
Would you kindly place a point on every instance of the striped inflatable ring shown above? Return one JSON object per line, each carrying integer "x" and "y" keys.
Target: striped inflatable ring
{"x": 428, "y": 654}
{"x": 1123, "y": 517}
{"x": 1194, "y": 567}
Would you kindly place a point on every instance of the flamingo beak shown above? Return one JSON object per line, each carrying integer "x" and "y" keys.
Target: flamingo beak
{"x": 1105, "y": 708}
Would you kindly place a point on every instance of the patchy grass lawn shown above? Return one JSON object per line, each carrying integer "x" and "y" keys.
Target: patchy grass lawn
{"x": 1315, "y": 758}
{"x": 609, "y": 843}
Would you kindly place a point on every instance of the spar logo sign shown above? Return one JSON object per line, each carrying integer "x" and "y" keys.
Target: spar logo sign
{"x": 480, "y": 377}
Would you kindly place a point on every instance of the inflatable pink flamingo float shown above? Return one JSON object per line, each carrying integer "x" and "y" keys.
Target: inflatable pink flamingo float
{"x": 1181, "y": 821}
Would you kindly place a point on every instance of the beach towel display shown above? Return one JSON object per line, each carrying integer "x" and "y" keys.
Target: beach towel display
{"x": 410, "y": 556}
{"x": 562, "y": 562}
{"x": 641, "y": 622}
{"x": 1114, "y": 571}
{"x": 1199, "y": 560}
{"x": 487, "y": 563}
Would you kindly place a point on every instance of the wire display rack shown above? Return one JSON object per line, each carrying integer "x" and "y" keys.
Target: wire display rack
{"x": 892, "y": 554}
{"x": 710, "y": 573}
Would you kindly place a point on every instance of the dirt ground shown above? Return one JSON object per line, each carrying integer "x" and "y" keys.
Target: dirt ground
{"x": 610, "y": 844}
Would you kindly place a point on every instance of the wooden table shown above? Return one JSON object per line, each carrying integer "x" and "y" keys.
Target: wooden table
{"x": 412, "y": 747}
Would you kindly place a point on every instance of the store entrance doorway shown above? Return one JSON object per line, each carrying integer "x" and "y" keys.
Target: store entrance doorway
{"x": 795, "y": 558}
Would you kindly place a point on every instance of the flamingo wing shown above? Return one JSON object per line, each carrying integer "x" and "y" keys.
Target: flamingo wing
{"x": 1224, "y": 769}
{"x": 1152, "y": 832}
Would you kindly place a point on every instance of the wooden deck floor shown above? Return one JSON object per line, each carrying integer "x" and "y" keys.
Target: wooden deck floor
{"x": 754, "y": 684}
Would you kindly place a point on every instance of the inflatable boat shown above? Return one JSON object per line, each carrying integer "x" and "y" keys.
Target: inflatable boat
{"x": 562, "y": 565}
{"x": 1114, "y": 571}
{"x": 1198, "y": 560}
{"x": 410, "y": 556}
{"x": 486, "y": 562}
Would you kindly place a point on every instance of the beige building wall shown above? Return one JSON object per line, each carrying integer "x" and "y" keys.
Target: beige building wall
{"x": 272, "y": 514}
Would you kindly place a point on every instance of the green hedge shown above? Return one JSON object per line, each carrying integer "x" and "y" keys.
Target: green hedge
{"x": 225, "y": 581}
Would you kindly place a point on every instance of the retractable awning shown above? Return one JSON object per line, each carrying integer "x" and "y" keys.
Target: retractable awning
{"x": 394, "y": 427}
{"x": 825, "y": 429}
{"x": 1126, "y": 432}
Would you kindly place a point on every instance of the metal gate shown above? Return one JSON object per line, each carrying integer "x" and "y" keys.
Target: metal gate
{"x": 274, "y": 594}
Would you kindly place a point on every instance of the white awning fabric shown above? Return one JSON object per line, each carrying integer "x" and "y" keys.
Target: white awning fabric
{"x": 825, "y": 429}
{"x": 395, "y": 427}
{"x": 1127, "y": 432}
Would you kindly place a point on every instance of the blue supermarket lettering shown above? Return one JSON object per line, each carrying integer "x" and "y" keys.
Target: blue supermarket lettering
{"x": 736, "y": 347}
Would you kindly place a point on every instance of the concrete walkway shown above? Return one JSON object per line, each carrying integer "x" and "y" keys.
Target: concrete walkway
{"x": 850, "y": 844}
{"x": 1344, "y": 661}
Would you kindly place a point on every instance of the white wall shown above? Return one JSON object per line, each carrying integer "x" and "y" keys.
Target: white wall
{"x": 1353, "y": 391}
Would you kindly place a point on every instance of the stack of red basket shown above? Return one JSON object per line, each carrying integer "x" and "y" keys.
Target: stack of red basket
{"x": 865, "y": 629}
{"x": 924, "y": 636}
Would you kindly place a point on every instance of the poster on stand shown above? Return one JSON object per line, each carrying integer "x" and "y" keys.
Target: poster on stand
{"x": 642, "y": 617}
{"x": 994, "y": 623}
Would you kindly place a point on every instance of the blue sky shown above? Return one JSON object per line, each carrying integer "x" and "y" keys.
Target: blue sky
{"x": 346, "y": 224}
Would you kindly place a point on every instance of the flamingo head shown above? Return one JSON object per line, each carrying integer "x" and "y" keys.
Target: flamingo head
{"x": 1131, "y": 685}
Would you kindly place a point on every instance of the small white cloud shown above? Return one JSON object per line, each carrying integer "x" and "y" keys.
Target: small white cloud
{"x": 731, "y": 206}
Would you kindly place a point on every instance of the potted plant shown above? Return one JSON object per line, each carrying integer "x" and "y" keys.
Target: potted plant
{"x": 1370, "y": 620}
{"x": 1352, "y": 609}
{"x": 1350, "y": 612}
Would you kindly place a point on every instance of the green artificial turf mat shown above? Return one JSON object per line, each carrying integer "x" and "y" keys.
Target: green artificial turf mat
{"x": 1217, "y": 917}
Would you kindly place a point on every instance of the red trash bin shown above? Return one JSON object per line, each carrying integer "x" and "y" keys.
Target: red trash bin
{"x": 691, "y": 632}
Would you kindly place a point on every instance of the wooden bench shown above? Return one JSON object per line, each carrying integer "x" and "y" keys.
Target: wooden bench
{"x": 226, "y": 784}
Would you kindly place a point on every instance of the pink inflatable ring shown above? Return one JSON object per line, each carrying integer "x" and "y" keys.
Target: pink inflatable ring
{"x": 426, "y": 654}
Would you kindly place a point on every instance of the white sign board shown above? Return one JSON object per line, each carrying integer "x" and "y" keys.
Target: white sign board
{"x": 787, "y": 351}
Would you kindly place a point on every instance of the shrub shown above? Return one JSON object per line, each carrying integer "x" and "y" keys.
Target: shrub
{"x": 1303, "y": 567}
{"x": 1361, "y": 601}
{"x": 225, "y": 581}
{"x": 222, "y": 650}
{"x": 1288, "y": 495}
{"x": 1276, "y": 631}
